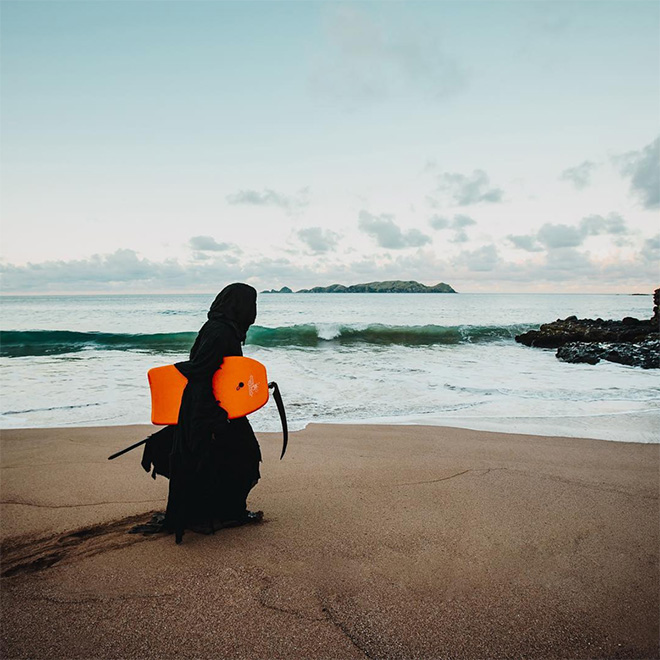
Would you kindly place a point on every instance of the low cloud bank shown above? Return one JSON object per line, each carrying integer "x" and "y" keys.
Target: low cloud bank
{"x": 553, "y": 236}
{"x": 480, "y": 268}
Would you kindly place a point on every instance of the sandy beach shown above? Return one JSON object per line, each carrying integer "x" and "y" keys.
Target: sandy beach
{"x": 377, "y": 542}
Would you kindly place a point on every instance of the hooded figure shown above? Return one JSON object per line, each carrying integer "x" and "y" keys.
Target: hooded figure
{"x": 214, "y": 461}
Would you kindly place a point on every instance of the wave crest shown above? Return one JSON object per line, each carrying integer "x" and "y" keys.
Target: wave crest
{"x": 23, "y": 343}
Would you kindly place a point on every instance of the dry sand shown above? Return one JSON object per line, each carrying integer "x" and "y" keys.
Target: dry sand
{"x": 378, "y": 542}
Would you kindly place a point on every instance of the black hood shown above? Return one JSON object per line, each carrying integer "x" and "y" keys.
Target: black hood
{"x": 236, "y": 304}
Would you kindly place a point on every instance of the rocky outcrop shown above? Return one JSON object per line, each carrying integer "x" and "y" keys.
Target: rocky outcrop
{"x": 573, "y": 329}
{"x": 645, "y": 354}
{"x": 284, "y": 289}
{"x": 629, "y": 341}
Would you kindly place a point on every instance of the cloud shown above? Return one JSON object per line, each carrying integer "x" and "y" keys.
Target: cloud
{"x": 559, "y": 236}
{"x": 579, "y": 176}
{"x": 651, "y": 250}
{"x": 643, "y": 169}
{"x": 125, "y": 271}
{"x": 472, "y": 189}
{"x": 458, "y": 224}
{"x": 365, "y": 60}
{"x": 318, "y": 240}
{"x": 119, "y": 268}
{"x": 208, "y": 244}
{"x": 594, "y": 225}
{"x": 482, "y": 259}
{"x": 460, "y": 237}
{"x": 528, "y": 243}
{"x": 568, "y": 260}
{"x": 270, "y": 198}
{"x": 438, "y": 222}
{"x": 389, "y": 235}
{"x": 552, "y": 236}
{"x": 461, "y": 221}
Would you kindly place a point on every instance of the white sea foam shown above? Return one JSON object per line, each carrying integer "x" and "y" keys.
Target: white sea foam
{"x": 492, "y": 385}
{"x": 328, "y": 331}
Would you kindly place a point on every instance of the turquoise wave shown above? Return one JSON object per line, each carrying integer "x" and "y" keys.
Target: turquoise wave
{"x": 23, "y": 343}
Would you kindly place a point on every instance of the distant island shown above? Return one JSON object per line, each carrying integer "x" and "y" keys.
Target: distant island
{"x": 390, "y": 286}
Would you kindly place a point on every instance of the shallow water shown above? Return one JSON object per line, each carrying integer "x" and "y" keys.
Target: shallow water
{"x": 395, "y": 358}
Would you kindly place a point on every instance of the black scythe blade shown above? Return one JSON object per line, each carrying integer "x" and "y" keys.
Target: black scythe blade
{"x": 280, "y": 409}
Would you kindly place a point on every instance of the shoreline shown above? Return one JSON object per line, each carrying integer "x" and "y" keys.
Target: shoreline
{"x": 384, "y": 541}
{"x": 617, "y": 425}
{"x": 611, "y": 426}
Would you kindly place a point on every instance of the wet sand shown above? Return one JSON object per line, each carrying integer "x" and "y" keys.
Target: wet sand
{"x": 377, "y": 542}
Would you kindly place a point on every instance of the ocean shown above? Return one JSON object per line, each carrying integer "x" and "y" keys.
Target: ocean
{"x": 439, "y": 359}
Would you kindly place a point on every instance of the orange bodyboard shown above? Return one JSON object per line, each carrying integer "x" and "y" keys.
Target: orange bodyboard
{"x": 240, "y": 387}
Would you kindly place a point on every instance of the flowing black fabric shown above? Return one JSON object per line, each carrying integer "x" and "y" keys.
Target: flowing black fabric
{"x": 157, "y": 452}
{"x": 214, "y": 461}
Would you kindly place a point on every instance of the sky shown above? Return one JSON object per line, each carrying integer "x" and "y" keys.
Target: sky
{"x": 165, "y": 146}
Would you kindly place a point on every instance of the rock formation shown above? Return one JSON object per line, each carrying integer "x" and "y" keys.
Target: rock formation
{"x": 629, "y": 341}
{"x": 284, "y": 289}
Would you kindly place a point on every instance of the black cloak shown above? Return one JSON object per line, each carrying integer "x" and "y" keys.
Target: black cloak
{"x": 214, "y": 462}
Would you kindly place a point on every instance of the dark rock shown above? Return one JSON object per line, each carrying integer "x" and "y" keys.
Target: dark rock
{"x": 580, "y": 352}
{"x": 284, "y": 289}
{"x": 645, "y": 354}
{"x": 558, "y": 333}
{"x": 629, "y": 341}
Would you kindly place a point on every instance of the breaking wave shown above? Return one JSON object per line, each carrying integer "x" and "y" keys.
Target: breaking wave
{"x": 405, "y": 335}
{"x": 22, "y": 343}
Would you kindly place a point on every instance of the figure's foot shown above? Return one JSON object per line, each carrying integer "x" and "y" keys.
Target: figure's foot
{"x": 154, "y": 526}
{"x": 158, "y": 517}
{"x": 147, "y": 529}
{"x": 254, "y": 516}
{"x": 249, "y": 517}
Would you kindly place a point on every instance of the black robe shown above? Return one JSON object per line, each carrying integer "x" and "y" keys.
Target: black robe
{"x": 214, "y": 462}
